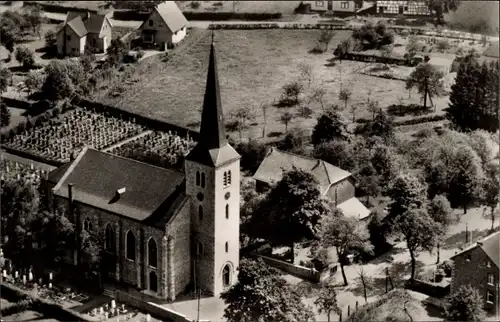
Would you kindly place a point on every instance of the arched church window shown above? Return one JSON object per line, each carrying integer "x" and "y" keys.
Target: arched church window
{"x": 226, "y": 276}
{"x": 130, "y": 245}
{"x": 203, "y": 180}
{"x": 199, "y": 249}
{"x": 200, "y": 213}
{"x": 224, "y": 181}
{"x": 229, "y": 178}
{"x": 227, "y": 247}
{"x": 87, "y": 225}
{"x": 109, "y": 241}
{"x": 227, "y": 211}
{"x": 152, "y": 253}
{"x": 197, "y": 178}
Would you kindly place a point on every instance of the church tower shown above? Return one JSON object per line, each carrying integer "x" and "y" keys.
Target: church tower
{"x": 212, "y": 171}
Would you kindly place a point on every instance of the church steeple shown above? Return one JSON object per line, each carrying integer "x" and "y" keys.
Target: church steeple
{"x": 212, "y": 148}
{"x": 212, "y": 133}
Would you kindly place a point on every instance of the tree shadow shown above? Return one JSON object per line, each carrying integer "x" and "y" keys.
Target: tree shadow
{"x": 388, "y": 257}
{"x": 274, "y": 134}
{"x": 433, "y": 311}
{"x": 307, "y": 289}
{"x": 285, "y": 102}
{"x": 194, "y": 124}
{"x": 332, "y": 62}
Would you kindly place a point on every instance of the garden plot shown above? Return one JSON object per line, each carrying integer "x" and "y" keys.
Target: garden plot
{"x": 60, "y": 138}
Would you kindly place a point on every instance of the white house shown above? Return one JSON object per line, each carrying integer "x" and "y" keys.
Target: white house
{"x": 164, "y": 27}
{"x": 407, "y": 7}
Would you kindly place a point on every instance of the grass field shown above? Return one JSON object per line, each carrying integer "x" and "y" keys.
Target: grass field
{"x": 285, "y": 7}
{"x": 253, "y": 67}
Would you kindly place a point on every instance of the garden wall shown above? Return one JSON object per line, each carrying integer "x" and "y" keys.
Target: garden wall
{"x": 53, "y": 310}
{"x": 430, "y": 289}
{"x": 143, "y": 120}
{"x": 155, "y": 310}
{"x": 295, "y": 270}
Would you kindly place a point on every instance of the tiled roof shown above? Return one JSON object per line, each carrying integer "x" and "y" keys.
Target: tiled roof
{"x": 96, "y": 176}
{"x": 78, "y": 26}
{"x": 276, "y": 162}
{"x": 354, "y": 208}
{"x": 171, "y": 15}
{"x": 94, "y": 23}
{"x": 490, "y": 245}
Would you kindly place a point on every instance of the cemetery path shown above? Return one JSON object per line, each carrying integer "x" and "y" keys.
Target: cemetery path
{"x": 119, "y": 144}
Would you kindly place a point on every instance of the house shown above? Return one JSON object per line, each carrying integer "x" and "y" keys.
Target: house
{"x": 479, "y": 266}
{"x": 163, "y": 230}
{"x": 345, "y": 7}
{"x": 164, "y": 27}
{"x": 407, "y": 7}
{"x": 84, "y": 29}
{"x": 334, "y": 183}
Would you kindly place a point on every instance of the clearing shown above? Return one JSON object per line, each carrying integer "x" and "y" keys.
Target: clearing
{"x": 253, "y": 66}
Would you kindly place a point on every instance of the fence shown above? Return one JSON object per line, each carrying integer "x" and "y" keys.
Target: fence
{"x": 155, "y": 310}
{"x": 295, "y": 270}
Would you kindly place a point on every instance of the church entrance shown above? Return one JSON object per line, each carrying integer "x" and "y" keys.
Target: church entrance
{"x": 153, "y": 282}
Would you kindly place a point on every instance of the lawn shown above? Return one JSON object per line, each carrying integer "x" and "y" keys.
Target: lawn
{"x": 253, "y": 67}
{"x": 285, "y": 7}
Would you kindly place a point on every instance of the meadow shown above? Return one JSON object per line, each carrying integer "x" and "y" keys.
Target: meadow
{"x": 253, "y": 66}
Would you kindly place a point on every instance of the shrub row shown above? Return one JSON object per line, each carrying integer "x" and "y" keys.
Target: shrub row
{"x": 419, "y": 120}
{"x": 13, "y": 293}
{"x": 58, "y": 8}
{"x": 204, "y": 16}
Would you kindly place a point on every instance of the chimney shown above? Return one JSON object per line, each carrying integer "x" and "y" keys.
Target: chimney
{"x": 480, "y": 243}
{"x": 70, "y": 198}
{"x": 121, "y": 191}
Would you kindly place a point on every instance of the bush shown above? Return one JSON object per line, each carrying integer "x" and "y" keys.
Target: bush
{"x": 443, "y": 45}
{"x": 371, "y": 36}
{"x": 4, "y": 115}
{"x": 50, "y": 40}
{"x": 252, "y": 154}
{"x": 447, "y": 267}
{"x": 194, "y": 4}
{"x": 292, "y": 142}
{"x": 25, "y": 57}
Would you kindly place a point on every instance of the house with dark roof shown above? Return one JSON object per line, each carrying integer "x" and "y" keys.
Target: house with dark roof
{"x": 479, "y": 266}
{"x": 333, "y": 182}
{"x": 84, "y": 29}
{"x": 164, "y": 231}
{"x": 164, "y": 27}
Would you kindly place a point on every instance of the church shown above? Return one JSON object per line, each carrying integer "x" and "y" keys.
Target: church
{"x": 163, "y": 230}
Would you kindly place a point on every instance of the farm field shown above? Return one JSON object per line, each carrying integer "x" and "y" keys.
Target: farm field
{"x": 253, "y": 67}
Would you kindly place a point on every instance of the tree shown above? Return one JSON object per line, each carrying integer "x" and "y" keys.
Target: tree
{"x": 261, "y": 295}
{"x": 364, "y": 282}
{"x": 381, "y": 126}
{"x": 56, "y": 233}
{"x": 371, "y": 36}
{"x": 465, "y": 304}
{"x": 25, "y": 57}
{"x": 291, "y": 92}
{"x": 51, "y": 40}
{"x": 353, "y": 110}
{"x": 11, "y": 24}
{"x": 318, "y": 95}
{"x": 491, "y": 191}
{"x": 64, "y": 79}
{"x": 325, "y": 37}
{"x": 264, "y": 115}
{"x": 345, "y": 234}
{"x": 345, "y": 95}
{"x": 306, "y": 73}
{"x": 373, "y": 108}
{"x": 91, "y": 248}
{"x": 34, "y": 18}
{"x": 377, "y": 231}
{"x": 327, "y": 301}
{"x": 4, "y": 115}
{"x": 368, "y": 182}
{"x": 285, "y": 119}
{"x": 440, "y": 210}
{"x": 34, "y": 81}
{"x": 443, "y": 45}
{"x": 385, "y": 53}
{"x": 384, "y": 162}
{"x": 330, "y": 126}
{"x": 293, "y": 142}
{"x": 419, "y": 230}
{"x": 115, "y": 51}
{"x": 440, "y": 7}
{"x": 338, "y": 153}
{"x": 5, "y": 77}
{"x": 412, "y": 46}
{"x": 291, "y": 210}
{"x": 242, "y": 115}
{"x": 427, "y": 79}
{"x": 252, "y": 154}
{"x": 474, "y": 96}
{"x": 407, "y": 191}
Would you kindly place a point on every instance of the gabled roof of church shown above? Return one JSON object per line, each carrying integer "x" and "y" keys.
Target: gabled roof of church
{"x": 212, "y": 148}
{"x": 276, "y": 162}
{"x": 97, "y": 176}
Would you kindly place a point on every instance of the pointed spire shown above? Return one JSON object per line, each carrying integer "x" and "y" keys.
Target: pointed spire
{"x": 212, "y": 133}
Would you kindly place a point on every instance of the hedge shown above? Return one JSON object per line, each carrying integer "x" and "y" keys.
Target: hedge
{"x": 202, "y": 16}
{"x": 58, "y": 8}
{"x": 418, "y": 120}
